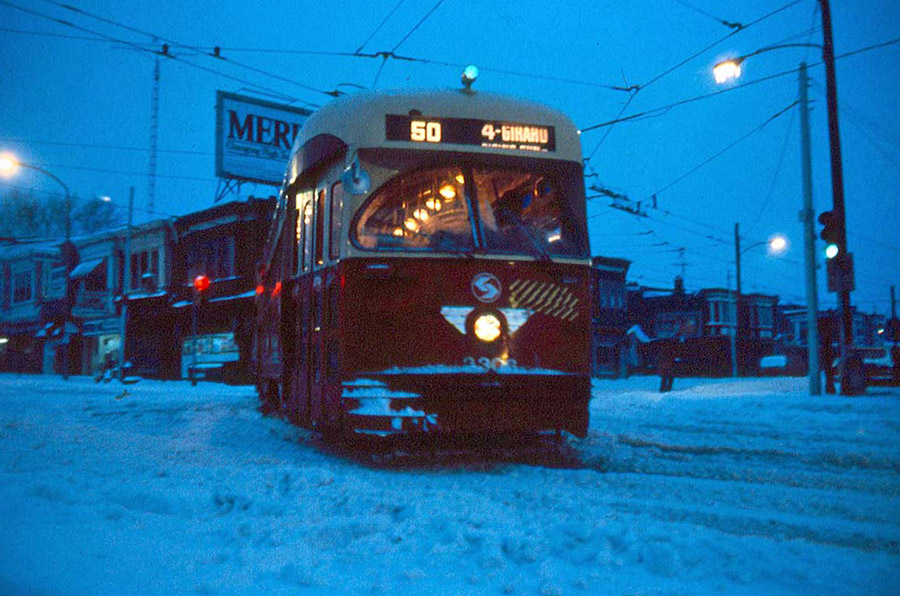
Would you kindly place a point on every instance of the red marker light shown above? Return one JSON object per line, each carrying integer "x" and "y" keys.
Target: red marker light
{"x": 201, "y": 283}
{"x": 277, "y": 289}
{"x": 260, "y": 289}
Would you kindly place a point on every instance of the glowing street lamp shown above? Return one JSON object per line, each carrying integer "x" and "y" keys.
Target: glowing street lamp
{"x": 727, "y": 70}
{"x": 776, "y": 245}
{"x": 9, "y": 163}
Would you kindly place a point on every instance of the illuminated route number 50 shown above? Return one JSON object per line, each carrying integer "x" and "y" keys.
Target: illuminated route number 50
{"x": 420, "y": 130}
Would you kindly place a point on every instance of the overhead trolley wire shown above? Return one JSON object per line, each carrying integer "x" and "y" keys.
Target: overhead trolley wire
{"x": 188, "y": 47}
{"x": 380, "y": 25}
{"x": 682, "y": 102}
{"x": 721, "y": 21}
{"x": 417, "y": 25}
{"x": 725, "y": 149}
{"x": 715, "y": 43}
{"x": 145, "y": 50}
{"x": 771, "y": 193}
{"x": 638, "y": 88}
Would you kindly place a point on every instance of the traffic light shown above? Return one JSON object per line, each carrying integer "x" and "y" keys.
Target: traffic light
{"x": 832, "y": 233}
{"x": 201, "y": 285}
{"x": 840, "y": 275}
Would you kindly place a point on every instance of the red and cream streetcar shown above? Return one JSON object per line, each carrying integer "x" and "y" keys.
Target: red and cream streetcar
{"x": 427, "y": 270}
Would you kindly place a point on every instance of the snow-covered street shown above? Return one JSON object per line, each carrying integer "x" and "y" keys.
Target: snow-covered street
{"x": 720, "y": 487}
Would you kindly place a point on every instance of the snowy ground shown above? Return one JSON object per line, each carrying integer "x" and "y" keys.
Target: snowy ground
{"x": 731, "y": 487}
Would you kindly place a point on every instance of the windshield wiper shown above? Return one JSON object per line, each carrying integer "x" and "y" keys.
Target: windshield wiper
{"x": 534, "y": 241}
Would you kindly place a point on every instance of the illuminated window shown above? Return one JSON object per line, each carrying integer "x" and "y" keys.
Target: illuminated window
{"x": 424, "y": 210}
{"x": 520, "y": 212}
{"x": 334, "y": 222}
{"x": 320, "y": 228}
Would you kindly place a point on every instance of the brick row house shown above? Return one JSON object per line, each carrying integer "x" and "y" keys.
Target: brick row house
{"x": 154, "y": 303}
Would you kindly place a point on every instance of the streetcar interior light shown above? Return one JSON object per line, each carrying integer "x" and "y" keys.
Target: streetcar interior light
{"x": 421, "y": 214}
{"x": 433, "y": 204}
{"x": 398, "y": 231}
{"x": 448, "y": 192}
{"x": 460, "y": 178}
{"x": 411, "y": 224}
{"x": 487, "y": 327}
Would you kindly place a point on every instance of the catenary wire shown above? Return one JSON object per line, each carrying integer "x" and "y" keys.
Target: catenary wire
{"x": 380, "y": 25}
{"x": 732, "y": 88}
{"x": 417, "y": 25}
{"x": 180, "y": 45}
{"x": 145, "y": 50}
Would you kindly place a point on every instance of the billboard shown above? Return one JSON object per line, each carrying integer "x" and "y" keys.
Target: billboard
{"x": 254, "y": 137}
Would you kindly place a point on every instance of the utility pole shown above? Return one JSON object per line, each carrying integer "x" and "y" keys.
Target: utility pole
{"x": 737, "y": 297}
{"x": 809, "y": 241}
{"x": 154, "y": 134}
{"x": 126, "y": 282}
{"x": 733, "y": 333}
{"x": 837, "y": 191}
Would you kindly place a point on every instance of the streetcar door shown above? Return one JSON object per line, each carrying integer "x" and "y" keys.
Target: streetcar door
{"x": 303, "y": 288}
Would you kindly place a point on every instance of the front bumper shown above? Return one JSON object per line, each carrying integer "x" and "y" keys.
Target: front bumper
{"x": 407, "y": 401}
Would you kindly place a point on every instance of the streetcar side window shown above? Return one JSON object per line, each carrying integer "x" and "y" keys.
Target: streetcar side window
{"x": 307, "y": 234}
{"x": 320, "y": 228}
{"x": 301, "y": 233}
{"x": 337, "y": 203}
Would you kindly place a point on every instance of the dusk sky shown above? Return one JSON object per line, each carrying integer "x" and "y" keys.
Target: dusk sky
{"x": 76, "y": 88}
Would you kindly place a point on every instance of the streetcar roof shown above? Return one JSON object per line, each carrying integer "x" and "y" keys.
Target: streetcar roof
{"x": 358, "y": 121}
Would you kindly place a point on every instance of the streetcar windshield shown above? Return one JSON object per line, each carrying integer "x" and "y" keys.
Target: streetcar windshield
{"x": 508, "y": 211}
{"x": 424, "y": 210}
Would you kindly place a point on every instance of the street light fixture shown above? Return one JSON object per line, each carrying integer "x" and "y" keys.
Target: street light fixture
{"x": 9, "y": 163}
{"x": 845, "y": 274}
{"x": 776, "y": 244}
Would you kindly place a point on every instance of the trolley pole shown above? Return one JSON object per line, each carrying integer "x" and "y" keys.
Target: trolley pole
{"x": 809, "y": 241}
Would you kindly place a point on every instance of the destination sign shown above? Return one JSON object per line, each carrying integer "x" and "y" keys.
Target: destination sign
{"x": 492, "y": 134}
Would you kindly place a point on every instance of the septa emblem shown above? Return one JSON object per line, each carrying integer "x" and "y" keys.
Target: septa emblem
{"x": 486, "y": 287}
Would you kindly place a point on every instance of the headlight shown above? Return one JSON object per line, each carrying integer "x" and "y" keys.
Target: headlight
{"x": 487, "y": 327}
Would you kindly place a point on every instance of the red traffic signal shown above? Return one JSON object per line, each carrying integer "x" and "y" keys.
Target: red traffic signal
{"x": 201, "y": 283}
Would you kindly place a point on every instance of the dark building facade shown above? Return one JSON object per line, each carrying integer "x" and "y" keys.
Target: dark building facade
{"x": 609, "y": 323}
{"x": 224, "y": 244}
{"x": 708, "y": 320}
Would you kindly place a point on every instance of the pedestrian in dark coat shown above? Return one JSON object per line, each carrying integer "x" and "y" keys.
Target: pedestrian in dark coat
{"x": 665, "y": 363}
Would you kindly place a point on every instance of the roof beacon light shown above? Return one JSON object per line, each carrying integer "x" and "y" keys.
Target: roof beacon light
{"x": 470, "y": 73}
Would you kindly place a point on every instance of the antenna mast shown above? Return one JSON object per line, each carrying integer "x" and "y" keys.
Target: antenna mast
{"x": 154, "y": 133}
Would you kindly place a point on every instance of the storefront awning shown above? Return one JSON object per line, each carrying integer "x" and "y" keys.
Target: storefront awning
{"x": 85, "y": 269}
